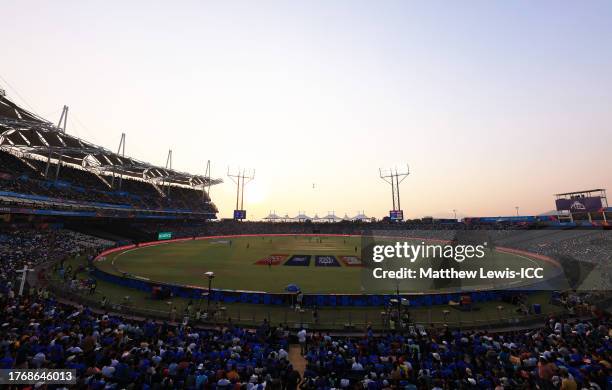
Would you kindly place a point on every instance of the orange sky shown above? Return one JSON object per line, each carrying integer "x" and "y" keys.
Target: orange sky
{"x": 494, "y": 105}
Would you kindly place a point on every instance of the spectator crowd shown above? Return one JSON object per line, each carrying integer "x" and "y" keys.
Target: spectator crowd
{"x": 110, "y": 351}
{"x": 71, "y": 184}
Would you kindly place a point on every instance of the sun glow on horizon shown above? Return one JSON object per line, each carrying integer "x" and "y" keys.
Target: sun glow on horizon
{"x": 255, "y": 193}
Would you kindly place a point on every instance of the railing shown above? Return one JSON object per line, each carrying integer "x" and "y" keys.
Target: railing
{"x": 345, "y": 319}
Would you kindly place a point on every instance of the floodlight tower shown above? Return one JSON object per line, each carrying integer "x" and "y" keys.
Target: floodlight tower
{"x": 395, "y": 177}
{"x": 61, "y": 125}
{"x": 120, "y": 152}
{"x": 206, "y": 186}
{"x": 241, "y": 179}
{"x": 168, "y": 166}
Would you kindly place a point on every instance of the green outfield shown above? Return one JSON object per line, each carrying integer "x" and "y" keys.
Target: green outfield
{"x": 245, "y": 263}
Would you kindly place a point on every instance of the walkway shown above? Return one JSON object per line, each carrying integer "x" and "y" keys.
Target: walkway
{"x": 297, "y": 360}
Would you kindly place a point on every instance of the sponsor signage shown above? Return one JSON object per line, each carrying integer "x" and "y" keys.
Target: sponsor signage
{"x": 326, "y": 261}
{"x": 164, "y": 235}
{"x": 299, "y": 260}
{"x": 220, "y": 242}
{"x": 351, "y": 261}
{"x": 271, "y": 260}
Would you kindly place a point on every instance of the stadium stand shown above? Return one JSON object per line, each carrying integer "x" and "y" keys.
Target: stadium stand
{"x": 43, "y": 167}
{"x": 82, "y": 186}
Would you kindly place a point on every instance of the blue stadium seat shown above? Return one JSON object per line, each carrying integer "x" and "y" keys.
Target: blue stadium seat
{"x": 439, "y": 299}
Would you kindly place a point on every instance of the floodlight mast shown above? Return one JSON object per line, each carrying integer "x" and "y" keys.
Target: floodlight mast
{"x": 395, "y": 177}
{"x": 206, "y": 186}
{"x": 121, "y": 152}
{"x": 61, "y": 125}
{"x": 168, "y": 166}
{"x": 241, "y": 179}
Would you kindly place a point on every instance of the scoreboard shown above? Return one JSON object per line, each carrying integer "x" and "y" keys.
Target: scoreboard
{"x": 240, "y": 214}
{"x": 396, "y": 215}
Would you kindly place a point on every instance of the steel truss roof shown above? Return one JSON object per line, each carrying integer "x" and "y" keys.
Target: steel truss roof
{"x": 27, "y": 133}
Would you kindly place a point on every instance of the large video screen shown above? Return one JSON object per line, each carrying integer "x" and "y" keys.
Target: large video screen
{"x": 586, "y": 204}
{"x": 239, "y": 214}
{"x": 396, "y": 215}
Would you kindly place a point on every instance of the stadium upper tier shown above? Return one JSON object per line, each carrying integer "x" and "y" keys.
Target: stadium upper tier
{"x": 40, "y": 160}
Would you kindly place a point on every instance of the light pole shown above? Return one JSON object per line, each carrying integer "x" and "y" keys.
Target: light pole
{"x": 455, "y": 212}
{"x": 398, "y": 323}
{"x": 210, "y": 275}
{"x": 24, "y": 273}
{"x": 202, "y": 295}
{"x": 517, "y": 210}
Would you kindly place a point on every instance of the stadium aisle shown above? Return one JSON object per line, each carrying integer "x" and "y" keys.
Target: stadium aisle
{"x": 297, "y": 360}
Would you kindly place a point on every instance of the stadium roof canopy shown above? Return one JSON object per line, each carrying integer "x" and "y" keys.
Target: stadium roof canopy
{"x": 331, "y": 217}
{"x": 361, "y": 217}
{"x": 301, "y": 217}
{"x": 272, "y": 217}
{"x": 31, "y": 135}
{"x": 596, "y": 191}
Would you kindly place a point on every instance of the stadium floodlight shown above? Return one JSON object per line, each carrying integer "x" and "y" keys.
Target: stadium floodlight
{"x": 120, "y": 152}
{"x": 394, "y": 178}
{"x": 210, "y": 275}
{"x": 206, "y": 185}
{"x": 61, "y": 125}
{"x": 241, "y": 179}
{"x": 168, "y": 167}
{"x": 23, "y": 273}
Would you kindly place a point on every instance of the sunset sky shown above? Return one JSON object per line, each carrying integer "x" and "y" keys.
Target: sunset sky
{"x": 494, "y": 104}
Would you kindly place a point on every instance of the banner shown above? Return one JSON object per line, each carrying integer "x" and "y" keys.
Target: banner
{"x": 326, "y": 261}
{"x": 271, "y": 260}
{"x": 351, "y": 261}
{"x": 164, "y": 235}
{"x": 299, "y": 260}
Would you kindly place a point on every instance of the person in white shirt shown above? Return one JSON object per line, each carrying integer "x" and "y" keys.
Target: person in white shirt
{"x": 356, "y": 366}
{"x": 302, "y": 339}
{"x": 282, "y": 354}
